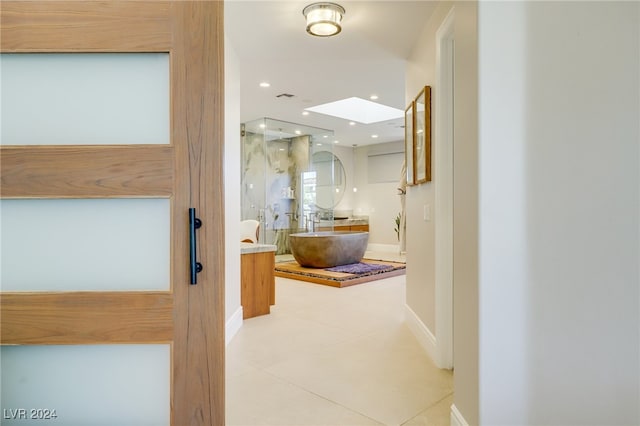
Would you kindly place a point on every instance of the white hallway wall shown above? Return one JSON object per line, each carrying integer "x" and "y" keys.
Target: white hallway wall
{"x": 559, "y": 184}
{"x": 420, "y": 233}
{"x": 421, "y": 70}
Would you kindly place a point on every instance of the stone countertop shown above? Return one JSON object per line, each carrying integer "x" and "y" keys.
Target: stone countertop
{"x": 246, "y": 248}
{"x": 345, "y": 222}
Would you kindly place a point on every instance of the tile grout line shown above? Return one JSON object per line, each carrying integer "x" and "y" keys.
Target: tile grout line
{"x": 322, "y": 397}
{"x": 427, "y": 408}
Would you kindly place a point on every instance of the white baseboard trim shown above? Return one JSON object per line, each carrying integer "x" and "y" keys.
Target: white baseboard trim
{"x": 233, "y": 325}
{"x": 423, "y": 334}
{"x": 456, "y": 417}
{"x": 385, "y": 248}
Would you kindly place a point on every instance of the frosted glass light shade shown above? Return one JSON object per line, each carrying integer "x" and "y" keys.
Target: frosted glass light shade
{"x": 323, "y": 19}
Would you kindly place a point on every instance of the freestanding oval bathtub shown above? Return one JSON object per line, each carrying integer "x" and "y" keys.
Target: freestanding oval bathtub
{"x": 329, "y": 248}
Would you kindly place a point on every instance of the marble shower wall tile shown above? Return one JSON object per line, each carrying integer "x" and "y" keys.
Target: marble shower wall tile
{"x": 270, "y": 174}
{"x": 253, "y": 173}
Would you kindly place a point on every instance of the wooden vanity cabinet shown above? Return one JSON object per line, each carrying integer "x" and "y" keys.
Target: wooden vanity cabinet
{"x": 257, "y": 281}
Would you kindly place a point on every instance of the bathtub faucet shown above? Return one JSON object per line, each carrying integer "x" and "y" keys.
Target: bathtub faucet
{"x": 311, "y": 221}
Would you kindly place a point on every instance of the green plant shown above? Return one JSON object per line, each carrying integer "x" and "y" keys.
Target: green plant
{"x": 397, "y": 227}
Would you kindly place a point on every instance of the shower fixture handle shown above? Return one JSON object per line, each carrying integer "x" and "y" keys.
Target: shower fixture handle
{"x": 194, "y": 223}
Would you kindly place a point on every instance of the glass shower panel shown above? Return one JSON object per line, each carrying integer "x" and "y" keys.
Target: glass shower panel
{"x": 254, "y": 174}
{"x": 309, "y": 196}
{"x": 281, "y": 188}
{"x": 276, "y": 156}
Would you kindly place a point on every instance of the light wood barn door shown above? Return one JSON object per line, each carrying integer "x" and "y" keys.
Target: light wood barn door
{"x": 99, "y": 322}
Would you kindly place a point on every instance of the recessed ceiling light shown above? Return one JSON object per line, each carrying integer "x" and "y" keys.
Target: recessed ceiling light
{"x": 319, "y": 144}
{"x": 325, "y": 136}
{"x": 352, "y": 123}
{"x": 374, "y": 136}
{"x": 305, "y": 112}
{"x": 281, "y": 149}
{"x": 262, "y": 126}
{"x": 359, "y": 110}
{"x": 336, "y": 141}
{"x": 298, "y": 132}
{"x": 373, "y": 97}
{"x": 265, "y": 84}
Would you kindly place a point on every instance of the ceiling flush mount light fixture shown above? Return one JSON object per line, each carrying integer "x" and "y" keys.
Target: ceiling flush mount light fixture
{"x": 323, "y": 18}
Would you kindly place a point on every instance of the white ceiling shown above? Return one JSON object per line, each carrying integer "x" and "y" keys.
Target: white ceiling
{"x": 367, "y": 57}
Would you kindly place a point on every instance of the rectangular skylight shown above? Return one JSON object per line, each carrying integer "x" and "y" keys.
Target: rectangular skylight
{"x": 359, "y": 110}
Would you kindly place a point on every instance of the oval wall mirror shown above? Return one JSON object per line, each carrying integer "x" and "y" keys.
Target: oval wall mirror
{"x": 330, "y": 179}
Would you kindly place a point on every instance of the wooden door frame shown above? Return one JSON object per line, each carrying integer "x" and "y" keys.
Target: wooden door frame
{"x": 189, "y": 171}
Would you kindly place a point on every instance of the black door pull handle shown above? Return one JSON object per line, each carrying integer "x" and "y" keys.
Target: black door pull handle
{"x": 194, "y": 223}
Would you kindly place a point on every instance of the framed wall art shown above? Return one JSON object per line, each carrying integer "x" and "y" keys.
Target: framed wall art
{"x": 409, "y": 135}
{"x": 422, "y": 138}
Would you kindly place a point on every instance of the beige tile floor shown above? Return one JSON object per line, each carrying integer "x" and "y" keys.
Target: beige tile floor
{"x": 331, "y": 356}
